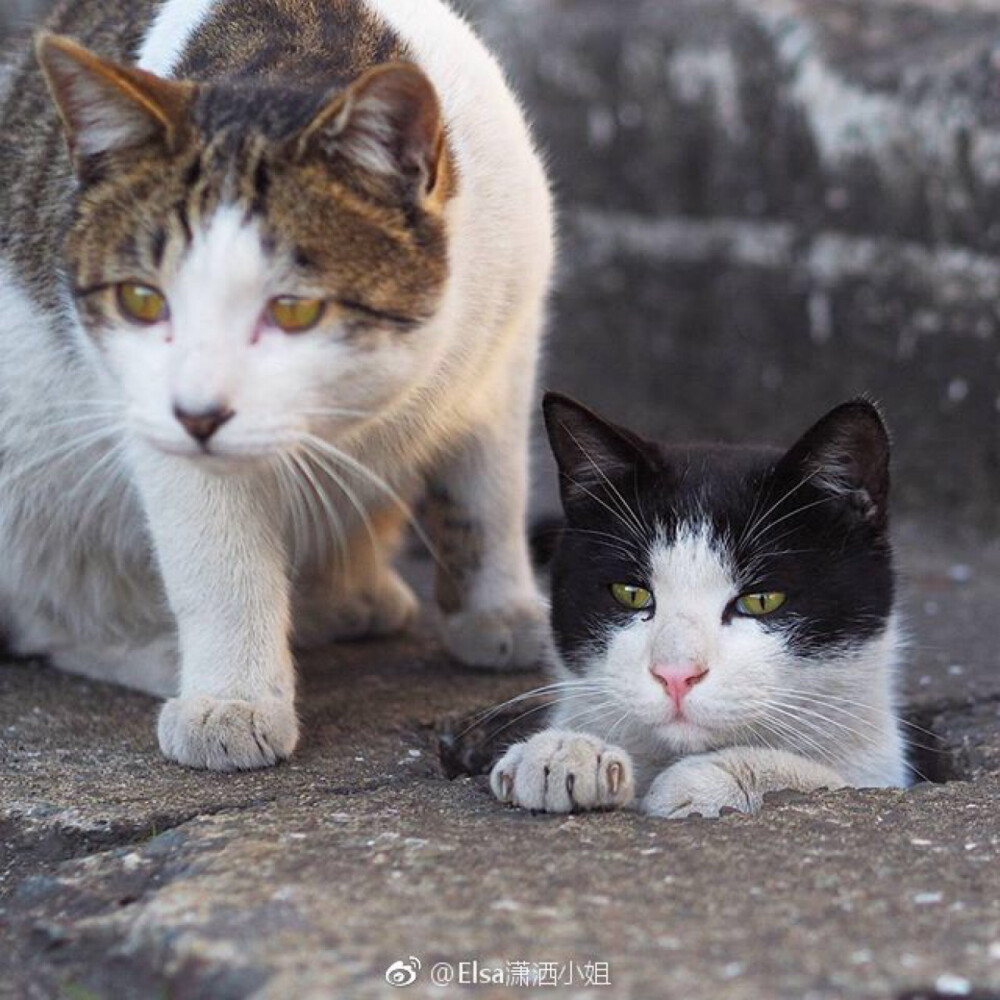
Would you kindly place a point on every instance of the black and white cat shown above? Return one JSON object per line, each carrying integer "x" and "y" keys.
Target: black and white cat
{"x": 725, "y": 618}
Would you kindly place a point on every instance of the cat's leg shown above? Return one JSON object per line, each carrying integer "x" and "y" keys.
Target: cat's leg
{"x": 734, "y": 778}
{"x": 358, "y": 596}
{"x": 224, "y": 570}
{"x": 494, "y": 615}
{"x": 560, "y": 771}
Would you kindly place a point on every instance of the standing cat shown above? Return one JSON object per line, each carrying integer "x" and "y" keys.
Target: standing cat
{"x": 725, "y": 618}
{"x": 293, "y": 257}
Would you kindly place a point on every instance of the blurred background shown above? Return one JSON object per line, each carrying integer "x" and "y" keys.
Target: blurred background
{"x": 769, "y": 206}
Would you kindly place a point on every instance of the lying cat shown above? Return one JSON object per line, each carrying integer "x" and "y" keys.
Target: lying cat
{"x": 725, "y": 620}
{"x": 293, "y": 258}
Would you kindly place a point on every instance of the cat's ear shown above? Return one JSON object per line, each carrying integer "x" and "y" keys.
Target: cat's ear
{"x": 389, "y": 125}
{"x": 105, "y": 106}
{"x": 847, "y": 454}
{"x": 593, "y": 455}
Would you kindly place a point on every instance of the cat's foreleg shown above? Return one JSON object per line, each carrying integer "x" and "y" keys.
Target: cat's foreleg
{"x": 735, "y": 778}
{"x": 493, "y": 613}
{"x": 223, "y": 567}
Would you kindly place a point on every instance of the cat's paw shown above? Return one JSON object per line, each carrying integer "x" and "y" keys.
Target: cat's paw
{"x": 698, "y": 785}
{"x": 561, "y": 771}
{"x": 373, "y": 612}
{"x": 223, "y": 735}
{"x": 514, "y": 636}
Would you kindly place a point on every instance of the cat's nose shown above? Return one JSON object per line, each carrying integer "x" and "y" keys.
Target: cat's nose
{"x": 678, "y": 678}
{"x": 203, "y": 424}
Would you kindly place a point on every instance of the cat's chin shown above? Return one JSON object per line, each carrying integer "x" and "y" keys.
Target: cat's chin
{"x": 686, "y": 736}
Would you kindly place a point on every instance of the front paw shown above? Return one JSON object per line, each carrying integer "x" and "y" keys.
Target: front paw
{"x": 512, "y": 636}
{"x": 698, "y": 785}
{"x": 560, "y": 771}
{"x": 223, "y": 735}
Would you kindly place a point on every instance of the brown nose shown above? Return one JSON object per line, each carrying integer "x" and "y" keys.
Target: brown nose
{"x": 201, "y": 426}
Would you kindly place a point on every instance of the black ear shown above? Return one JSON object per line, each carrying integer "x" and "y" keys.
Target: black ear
{"x": 847, "y": 454}
{"x": 388, "y": 124}
{"x": 593, "y": 455}
{"x": 107, "y": 107}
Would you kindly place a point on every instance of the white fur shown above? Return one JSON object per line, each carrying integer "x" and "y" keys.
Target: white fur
{"x": 175, "y": 26}
{"x": 760, "y": 720}
{"x": 229, "y": 537}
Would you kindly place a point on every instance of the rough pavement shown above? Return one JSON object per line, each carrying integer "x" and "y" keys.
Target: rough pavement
{"x": 126, "y": 876}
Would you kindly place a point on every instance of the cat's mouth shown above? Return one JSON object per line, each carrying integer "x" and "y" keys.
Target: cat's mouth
{"x": 222, "y": 450}
{"x": 216, "y": 456}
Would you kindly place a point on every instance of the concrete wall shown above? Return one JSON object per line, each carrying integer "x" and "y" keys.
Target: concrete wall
{"x": 772, "y": 205}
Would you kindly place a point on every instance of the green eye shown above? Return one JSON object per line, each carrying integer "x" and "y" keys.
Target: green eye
{"x": 757, "y": 605}
{"x": 628, "y": 595}
{"x": 142, "y": 304}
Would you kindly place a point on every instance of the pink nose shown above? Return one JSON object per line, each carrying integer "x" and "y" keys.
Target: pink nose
{"x": 678, "y": 678}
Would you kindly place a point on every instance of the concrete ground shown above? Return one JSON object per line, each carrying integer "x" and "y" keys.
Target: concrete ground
{"x": 126, "y": 876}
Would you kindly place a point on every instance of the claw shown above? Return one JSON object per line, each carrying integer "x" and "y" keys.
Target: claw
{"x": 614, "y": 778}
{"x": 506, "y": 787}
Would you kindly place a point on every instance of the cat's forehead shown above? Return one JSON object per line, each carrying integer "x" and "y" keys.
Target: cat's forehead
{"x": 697, "y": 487}
{"x": 238, "y": 115}
{"x": 690, "y": 560}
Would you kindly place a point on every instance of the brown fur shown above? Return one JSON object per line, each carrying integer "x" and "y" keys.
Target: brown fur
{"x": 460, "y": 547}
{"x": 268, "y": 78}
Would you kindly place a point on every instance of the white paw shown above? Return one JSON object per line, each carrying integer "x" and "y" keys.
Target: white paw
{"x": 560, "y": 771}
{"x": 221, "y": 735}
{"x": 384, "y": 609}
{"x": 511, "y": 637}
{"x": 698, "y": 785}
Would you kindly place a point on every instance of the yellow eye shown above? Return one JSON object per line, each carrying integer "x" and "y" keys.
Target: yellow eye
{"x": 295, "y": 315}
{"x": 142, "y": 303}
{"x": 757, "y": 605}
{"x": 628, "y": 595}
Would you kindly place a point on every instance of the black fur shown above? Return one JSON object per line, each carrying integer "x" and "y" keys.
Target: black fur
{"x": 811, "y": 522}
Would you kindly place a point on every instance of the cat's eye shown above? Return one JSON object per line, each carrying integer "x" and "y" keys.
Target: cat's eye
{"x": 294, "y": 315}
{"x": 631, "y": 596}
{"x": 142, "y": 304}
{"x": 765, "y": 603}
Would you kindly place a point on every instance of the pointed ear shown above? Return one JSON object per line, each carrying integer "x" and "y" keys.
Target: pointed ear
{"x": 591, "y": 452}
{"x": 388, "y": 124}
{"x": 105, "y": 106}
{"x": 847, "y": 454}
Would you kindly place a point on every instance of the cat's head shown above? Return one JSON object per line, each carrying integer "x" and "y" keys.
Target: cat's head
{"x": 253, "y": 262}
{"x": 713, "y": 593}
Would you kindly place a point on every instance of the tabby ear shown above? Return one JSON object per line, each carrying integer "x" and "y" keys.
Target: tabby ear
{"x": 388, "y": 123}
{"x": 847, "y": 454}
{"x": 592, "y": 454}
{"x": 105, "y": 106}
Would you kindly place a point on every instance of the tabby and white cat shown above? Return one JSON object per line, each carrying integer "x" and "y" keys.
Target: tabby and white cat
{"x": 725, "y": 618}
{"x": 292, "y": 260}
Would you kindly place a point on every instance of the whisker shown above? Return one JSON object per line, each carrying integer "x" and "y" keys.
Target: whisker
{"x": 572, "y": 685}
{"x": 351, "y": 496}
{"x": 382, "y": 486}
